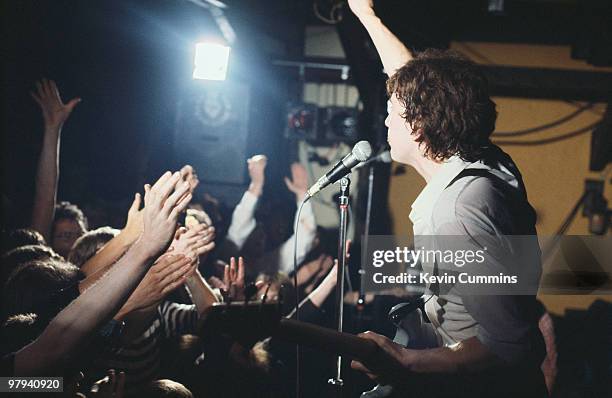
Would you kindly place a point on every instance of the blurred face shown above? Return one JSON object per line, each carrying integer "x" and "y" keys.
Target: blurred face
{"x": 404, "y": 148}
{"x": 65, "y": 233}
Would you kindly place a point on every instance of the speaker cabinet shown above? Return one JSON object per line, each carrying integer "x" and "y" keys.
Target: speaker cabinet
{"x": 212, "y": 129}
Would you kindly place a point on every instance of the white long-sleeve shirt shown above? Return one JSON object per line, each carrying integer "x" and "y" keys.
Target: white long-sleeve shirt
{"x": 243, "y": 220}
{"x": 281, "y": 258}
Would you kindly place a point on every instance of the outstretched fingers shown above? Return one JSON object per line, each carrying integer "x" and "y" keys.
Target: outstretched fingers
{"x": 177, "y": 278}
{"x": 167, "y": 188}
{"x": 135, "y": 204}
{"x": 36, "y": 98}
{"x": 53, "y": 91}
{"x": 161, "y": 183}
{"x": 362, "y": 368}
{"x": 227, "y": 280}
{"x": 171, "y": 264}
{"x": 181, "y": 188}
{"x": 240, "y": 273}
{"x": 206, "y": 248}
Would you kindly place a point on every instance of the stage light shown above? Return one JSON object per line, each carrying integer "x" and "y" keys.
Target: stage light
{"x": 210, "y": 61}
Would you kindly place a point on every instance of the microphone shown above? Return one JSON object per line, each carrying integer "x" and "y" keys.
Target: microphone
{"x": 360, "y": 153}
{"x": 383, "y": 157}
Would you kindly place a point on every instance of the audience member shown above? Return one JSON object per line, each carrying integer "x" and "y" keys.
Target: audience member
{"x": 90, "y": 243}
{"x": 59, "y": 343}
{"x": 69, "y": 224}
{"x": 22, "y": 255}
{"x": 21, "y": 237}
{"x": 63, "y": 229}
{"x": 100, "y": 302}
{"x": 243, "y": 225}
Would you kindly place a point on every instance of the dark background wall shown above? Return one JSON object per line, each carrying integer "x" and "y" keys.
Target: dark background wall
{"x": 130, "y": 62}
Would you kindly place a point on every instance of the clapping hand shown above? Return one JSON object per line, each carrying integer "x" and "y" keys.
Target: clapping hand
{"x": 164, "y": 201}
{"x": 194, "y": 241}
{"x": 168, "y": 273}
{"x": 188, "y": 174}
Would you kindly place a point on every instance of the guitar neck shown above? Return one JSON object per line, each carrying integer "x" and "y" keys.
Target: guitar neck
{"x": 266, "y": 320}
{"x": 328, "y": 340}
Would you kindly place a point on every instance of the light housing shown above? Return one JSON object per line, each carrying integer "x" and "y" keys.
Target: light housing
{"x": 211, "y": 61}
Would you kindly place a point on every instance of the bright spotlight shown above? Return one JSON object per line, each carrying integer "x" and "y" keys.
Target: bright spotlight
{"x": 210, "y": 62}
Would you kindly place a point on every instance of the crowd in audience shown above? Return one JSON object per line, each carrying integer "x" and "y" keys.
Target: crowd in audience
{"x": 120, "y": 312}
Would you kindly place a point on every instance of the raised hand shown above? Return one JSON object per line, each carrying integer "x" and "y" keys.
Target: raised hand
{"x": 109, "y": 387}
{"x": 168, "y": 273}
{"x": 188, "y": 174}
{"x": 362, "y": 7}
{"x": 54, "y": 111}
{"x": 164, "y": 201}
{"x": 197, "y": 216}
{"x": 298, "y": 184}
{"x": 233, "y": 279}
{"x": 194, "y": 241}
{"x": 134, "y": 224}
{"x": 257, "y": 167}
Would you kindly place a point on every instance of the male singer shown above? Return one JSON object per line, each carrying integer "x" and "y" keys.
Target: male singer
{"x": 440, "y": 122}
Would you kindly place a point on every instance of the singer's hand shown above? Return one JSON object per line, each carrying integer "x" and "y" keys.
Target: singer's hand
{"x": 298, "y": 184}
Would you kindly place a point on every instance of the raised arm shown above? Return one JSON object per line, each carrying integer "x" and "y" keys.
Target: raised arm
{"x": 73, "y": 326}
{"x": 393, "y": 53}
{"x": 195, "y": 242}
{"x": 306, "y": 226}
{"x": 318, "y": 296}
{"x": 55, "y": 113}
{"x": 243, "y": 219}
{"x": 96, "y": 266}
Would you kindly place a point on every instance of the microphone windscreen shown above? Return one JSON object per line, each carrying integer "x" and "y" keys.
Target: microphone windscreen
{"x": 362, "y": 151}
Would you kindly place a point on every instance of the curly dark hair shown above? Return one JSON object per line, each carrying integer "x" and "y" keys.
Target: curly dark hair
{"x": 447, "y": 104}
{"x": 34, "y": 287}
{"x": 13, "y": 239}
{"x": 21, "y": 255}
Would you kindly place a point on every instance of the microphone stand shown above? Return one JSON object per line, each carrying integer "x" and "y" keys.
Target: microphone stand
{"x": 364, "y": 243}
{"x": 337, "y": 382}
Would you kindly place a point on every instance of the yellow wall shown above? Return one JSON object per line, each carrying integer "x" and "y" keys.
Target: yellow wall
{"x": 554, "y": 173}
